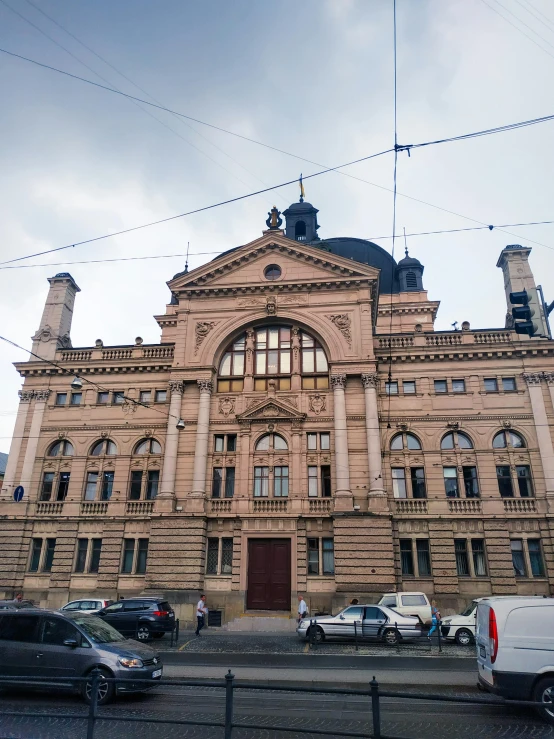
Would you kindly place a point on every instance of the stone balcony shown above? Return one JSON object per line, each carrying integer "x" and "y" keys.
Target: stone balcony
{"x": 469, "y": 506}
{"x": 444, "y": 340}
{"x": 263, "y": 506}
{"x": 116, "y": 353}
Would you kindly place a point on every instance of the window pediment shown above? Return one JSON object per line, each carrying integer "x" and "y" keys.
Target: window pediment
{"x": 271, "y": 409}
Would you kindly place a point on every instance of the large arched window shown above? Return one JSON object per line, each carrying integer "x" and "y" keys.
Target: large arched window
{"x": 405, "y": 441}
{"x": 504, "y": 439}
{"x": 271, "y": 441}
{"x": 271, "y": 477}
{"x": 456, "y": 440}
{"x": 61, "y": 448}
{"x": 148, "y": 446}
{"x": 272, "y": 356}
{"x": 232, "y": 366}
{"x": 104, "y": 446}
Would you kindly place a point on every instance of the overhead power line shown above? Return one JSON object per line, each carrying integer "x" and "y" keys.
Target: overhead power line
{"x": 518, "y": 28}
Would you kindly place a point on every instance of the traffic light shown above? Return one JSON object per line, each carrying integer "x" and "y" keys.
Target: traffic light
{"x": 523, "y": 312}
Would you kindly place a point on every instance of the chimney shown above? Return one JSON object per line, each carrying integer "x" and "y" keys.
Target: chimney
{"x": 55, "y": 324}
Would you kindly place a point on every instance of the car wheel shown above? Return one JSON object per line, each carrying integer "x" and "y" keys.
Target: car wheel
{"x": 106, "y": 690}
{"x": 464, "y": 637}
{"x": 391, "y": 636}
{"x": 319, "y": 635}
{"x": 143, "y": 632}
{"x": 544, "y": 693}
{"x": 158, "y": 636}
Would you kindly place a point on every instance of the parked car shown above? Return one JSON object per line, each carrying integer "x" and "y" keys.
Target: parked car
{"x": 461, "y": 626}
{"x": 50, "y": 644}
{"x": 515, "y": 649}
{"x": 15, "y": 604}
{"x": 90, "y": 605}
{"x": 371, "y": 622}
{"x": 143, "y": 618}
{"x": 409, "y": 604}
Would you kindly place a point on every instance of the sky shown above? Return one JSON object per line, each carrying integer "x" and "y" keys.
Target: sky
{"x": 312, "y": 78}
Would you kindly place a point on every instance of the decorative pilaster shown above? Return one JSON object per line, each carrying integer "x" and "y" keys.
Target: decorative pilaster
{"x": 376, "y": 488}
{"x": 549, "y": 378}
{"x": 41, "y": 397}
{"x": 249, "y": 363}
{"x": 296, "y": 377}
{"x": 202, "y": 434}
{"x": 167, "y": 488}
{"x": 25, "y": 397}
{"x": 544, "y": 438}
{"x": 343, "y": 493}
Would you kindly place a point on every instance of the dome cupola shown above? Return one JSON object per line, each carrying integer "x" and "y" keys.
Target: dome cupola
{"x": 410, "y": 274}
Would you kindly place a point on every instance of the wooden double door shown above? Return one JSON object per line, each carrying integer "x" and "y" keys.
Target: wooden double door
{"x": 268, "y": 575}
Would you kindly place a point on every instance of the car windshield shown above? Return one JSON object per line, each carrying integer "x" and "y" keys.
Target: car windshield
{"x": 97, "y": 630}
{"x": 469, "y": 610}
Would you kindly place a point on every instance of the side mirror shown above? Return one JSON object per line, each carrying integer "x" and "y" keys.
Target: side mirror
{"x": 72, "y": 643}
{"x": 341, "y": 617}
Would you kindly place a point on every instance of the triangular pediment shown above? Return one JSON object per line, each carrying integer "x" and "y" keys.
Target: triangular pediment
{"x": 270, "y": 409}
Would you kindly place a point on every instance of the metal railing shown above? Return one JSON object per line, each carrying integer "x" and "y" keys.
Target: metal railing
{"x": 357, "y": 633}
{"x": 228, "y": 722}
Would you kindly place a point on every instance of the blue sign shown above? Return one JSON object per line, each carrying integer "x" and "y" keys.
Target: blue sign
{"x": 18, "y": 493}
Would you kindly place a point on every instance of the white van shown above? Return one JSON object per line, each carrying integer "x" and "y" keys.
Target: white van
{"x": 515, "y": 649}
{"x": 461, "y": 626}
{"x": 409, "y": 604}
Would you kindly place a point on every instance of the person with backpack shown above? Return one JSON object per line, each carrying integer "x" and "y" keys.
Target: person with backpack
{"x": 435, "y": 618}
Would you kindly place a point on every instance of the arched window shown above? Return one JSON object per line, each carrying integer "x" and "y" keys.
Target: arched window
{"x": 505, "y": 439}
{"x": 271, "y": 441}
{"x": 314, "y": 362}
{"x": 411, "y": 281}
{"x": 232, "y": 365}
{"x": 104, "y": 446}
{"x": 300, "y": 231}
{"x": 456, "y": 439}
{"x": 272, "y": 356}
{"x": 148, "y": 446}
{"x": 62, "y": 448}
{"x": 405, "y": 441}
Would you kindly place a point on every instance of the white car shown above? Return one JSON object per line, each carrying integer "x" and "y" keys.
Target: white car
{"x": 461, "y": 626}
{"x": 88, "y": 605}
{"x": 408, "y": 604}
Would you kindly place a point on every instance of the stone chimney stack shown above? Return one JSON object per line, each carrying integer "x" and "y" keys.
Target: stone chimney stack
{"x": 514, "y": 262}
{"x": 55, "y": 325}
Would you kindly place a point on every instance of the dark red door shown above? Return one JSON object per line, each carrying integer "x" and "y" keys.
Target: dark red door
{"x": 268, "y": 575}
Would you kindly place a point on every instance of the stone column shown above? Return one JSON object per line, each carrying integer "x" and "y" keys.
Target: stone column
{"x": 376, "y": 487}
{"x": 10, "y": 483}
{"x": 249, "y": 361}
{"x": 296, "y": 367}
{"x": 202, "y": 434}
{"x": 543, "y": 431}
{"x": 343, "y": 493}
{"x": 169, "y": 469}
{"x": 41, "y": 396}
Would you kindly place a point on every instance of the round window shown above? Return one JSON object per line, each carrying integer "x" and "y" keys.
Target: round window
{"x": 272, "y": 272}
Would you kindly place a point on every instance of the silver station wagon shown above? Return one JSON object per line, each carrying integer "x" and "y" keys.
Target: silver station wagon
{"x": 367, "y": 622}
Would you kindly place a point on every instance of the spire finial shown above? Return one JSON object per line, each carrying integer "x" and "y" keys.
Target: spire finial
{"x": 405, "y": 242}
{"x": 187, "y": 258}
{"x": 302, "y": 193}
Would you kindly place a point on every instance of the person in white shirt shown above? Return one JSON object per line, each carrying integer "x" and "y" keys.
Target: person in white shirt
{"x": 302, "y": 608}
{"x": 201, "y": 612}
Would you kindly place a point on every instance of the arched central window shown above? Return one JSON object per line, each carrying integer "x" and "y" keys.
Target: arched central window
{"x": 272, "y": 356}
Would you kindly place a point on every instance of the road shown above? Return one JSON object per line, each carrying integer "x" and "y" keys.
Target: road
{"x": 407, "y": 719}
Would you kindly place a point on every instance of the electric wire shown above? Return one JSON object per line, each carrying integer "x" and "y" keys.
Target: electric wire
{"x": 517, "y": 28}
{"x": 547, "y": 25}
{"x": 547, "y": 19}
{"x": 523, "y": 22}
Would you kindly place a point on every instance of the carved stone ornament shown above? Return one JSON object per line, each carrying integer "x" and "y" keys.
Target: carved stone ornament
{"x": 507, "y": 424}
{"x": 25, "y": 396}
{"x": 343, "y": 323}
{"x": 201, "y": 330}
{"x": 44, "y": 334}
{"x": 42, "y": 395}
{"x": 226, "y": 406}
{"x": 206, "y": 386}
{"x": 292, "y": 399}
{"x": 533, "y": 378}
{"x": 338, "y": 382}
{"x": 148, "y": 433}
{"x": 176, "y": 386}
{"x": 317, "y": 403}
{"x": 250, "y": 302}
{"x": 271, "y": 307}
{"x": 370, "y": 380}
{"x": 453, "y": 425}
{"x": 105, "y": 434}
{"x": 549, "y": 377}
{"x": 129, "y": 408}
{"x": 402, "y": 426}
{"x": 61, "y": 434}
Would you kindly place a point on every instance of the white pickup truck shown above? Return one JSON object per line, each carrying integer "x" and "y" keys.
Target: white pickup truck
{"x": 409, "y": 604}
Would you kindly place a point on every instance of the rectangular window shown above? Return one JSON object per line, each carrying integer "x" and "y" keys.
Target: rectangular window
{"x": 312, "y": 482}
{"x": 81, "y": 560}
{"x": 145, "y": 396}
{"x": 509, "y": 384}
{"x": 451, "y": 482}
{"x": 63, "y": 486}
{"x": 391, "y": 388}
{"x": 458, "y": 386}
{"x": 231, "y": 442}
{"x": 90, "y": 489}
{"x": 325, "y": 481}
{"x": 119, "y": 398}
{"x": 36, "y": 550}
{"x": 535, "y": 557}
{"x": 102, "y": 398}
{"x": 47, "y": 486}
{"x": 406, "y": 557}
{"x": 226, "y": 556}
{"x": 423, "y": 557}
{"x": 524, "y": 482}
{"x": 61, "y": 398}
{"x": 462, "y": 560}
{"x": 312, "y": 442}
{"x": 96, "y": 551}
{"x": 518, "y": 559}
{"x": 261, "y": 482}
{"x": 328, "y": 556}
{"x": 76, "y": 398}
{"x": 152, "y": 484}
{"x": 441, "y": 386}
{"x": 212, "y": 556}
{"x": 479, "y": 560}
{"x": 504, "y": 481}
{"x": 418, "y": 482}
{"x": 324, "y": 442}
{"x": 229, "y": 482}
{"x": 107, "y": 485}
{"x": 49, "y": 555}
{"x": 219, "y": 443}
{"x": 142, "y": 556}
{"x": 409, "y": 387}
{"x": 471, "y": 484}
{"x": 399, "y": 482}
{"x": 491, "y": 384}
{"x": 281, "y": 482}
{"x": 135, "y": 488}
{"x": 161, "y": 396}
{"x": 217, "y": 481}
{"x": 128, "y": 556}
{"x": 313, "y": 556}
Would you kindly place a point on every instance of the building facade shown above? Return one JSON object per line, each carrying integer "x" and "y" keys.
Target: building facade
{"x": 300, "y": 428}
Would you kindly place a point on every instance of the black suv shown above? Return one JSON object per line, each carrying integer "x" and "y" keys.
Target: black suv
{"x": 141, "y": 618}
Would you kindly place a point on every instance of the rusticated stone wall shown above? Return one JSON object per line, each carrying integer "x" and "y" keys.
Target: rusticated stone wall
{"x": 364, "y": 560}
{"x": 176, "y": 553}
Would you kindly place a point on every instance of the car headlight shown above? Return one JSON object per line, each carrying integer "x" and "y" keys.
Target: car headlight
{"x": 130, "y": 662}
{"x": 446, "y": 621}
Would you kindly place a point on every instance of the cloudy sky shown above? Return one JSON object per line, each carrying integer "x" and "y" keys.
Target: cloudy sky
{"x": 313, "y": 78}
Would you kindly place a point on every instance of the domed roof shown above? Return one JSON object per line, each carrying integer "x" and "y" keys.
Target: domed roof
{"x": 366, "y": 252}
{"x": 409, "y": 262}
{"x": 300, "y": 207}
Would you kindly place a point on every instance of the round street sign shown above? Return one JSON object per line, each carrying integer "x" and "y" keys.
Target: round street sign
{"x": 18, "y": 493}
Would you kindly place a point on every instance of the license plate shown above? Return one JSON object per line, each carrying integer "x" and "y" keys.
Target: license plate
{"x": 156, "y": 673}
{"x": 483, "y": 652}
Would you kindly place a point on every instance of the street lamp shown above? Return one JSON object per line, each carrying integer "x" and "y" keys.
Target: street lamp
{"x": 76, "y": 383}
{"x": 180, "y": 424}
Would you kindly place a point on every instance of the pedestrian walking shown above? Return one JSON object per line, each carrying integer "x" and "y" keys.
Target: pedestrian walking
{"x": 354, "y": 602}
{"x": 201, "y": 611}
{"x": 19, "y": 597}
{"x": 302, "y": 608}
{"x": 435, "y": 618}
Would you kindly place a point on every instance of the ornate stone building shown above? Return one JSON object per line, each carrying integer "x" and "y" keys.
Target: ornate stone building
{"x": 300, "y": 428}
